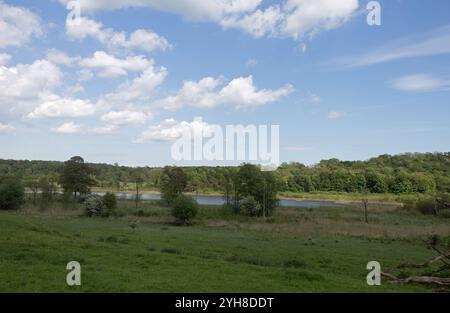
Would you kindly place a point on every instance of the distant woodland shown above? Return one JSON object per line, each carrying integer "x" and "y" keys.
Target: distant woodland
{"x": 398, "y": 174}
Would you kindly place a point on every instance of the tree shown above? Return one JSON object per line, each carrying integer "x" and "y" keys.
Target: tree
{"x": 184, "y": 209}
{"x": 173, "y": 183}
{"x": 375, "y": 182}
{"x": 12, "y": 194}
{"x": 250, "y": 182}
{"x": 138, "y": 181}
{"x": 110, "y": 203}
{"x": 77, "y": 176}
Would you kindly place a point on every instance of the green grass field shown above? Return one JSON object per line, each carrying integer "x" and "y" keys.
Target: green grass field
{"x": 296, "y": 250}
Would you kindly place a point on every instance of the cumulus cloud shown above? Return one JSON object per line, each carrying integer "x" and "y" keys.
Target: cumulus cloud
{"x": 138, "y": 90}
{"x": 125, "y": 117}
{"x": 191, "y": 9}
{"x": 292, "y": 18}
{"x": 239, "y": 93}
{"x": 68, "y": 128}
{"x": 140, "y": 39}
{"x": 5, "y": 129}
{"x": 110, "y": 66}
{"x": 23, "y": 86}
{"x": 56, "y": 106}
{"x": 58, "y": 57}
{"x": 295, "y": 18}
{"x": 420, "y": 83}
{"x": 18, "y": 25}
{"x": 171, "y": 130}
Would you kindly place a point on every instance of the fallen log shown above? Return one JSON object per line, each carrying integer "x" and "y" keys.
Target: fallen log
{"x": 419, "y": 279}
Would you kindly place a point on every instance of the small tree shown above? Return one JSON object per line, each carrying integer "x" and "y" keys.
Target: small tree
{"x": 110, "y": 203}
{"x": 77, "y": 176}
{"x": 173, "y": 183}
{"x": 184, "y": 209}
{"x": 12, "y": 194}
{"x": 250, "y": 207}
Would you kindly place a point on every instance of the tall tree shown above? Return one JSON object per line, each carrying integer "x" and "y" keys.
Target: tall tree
{"x": 173, "y": 183}
{"x": 77, "y": 176}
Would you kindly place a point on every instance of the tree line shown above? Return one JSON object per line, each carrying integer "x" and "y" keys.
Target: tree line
{"x": 405, "y": 173}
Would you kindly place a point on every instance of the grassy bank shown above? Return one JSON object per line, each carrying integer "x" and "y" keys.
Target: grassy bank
{"x": 342, "y": 197}
{"x": 296, "y": 250}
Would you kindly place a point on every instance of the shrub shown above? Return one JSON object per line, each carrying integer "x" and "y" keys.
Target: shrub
{"x": 444, "y": 213}
{"x": 184, "y": 209}
{"x": 250, "y": 207}
{"x": 12, "y": 194}
{"x": 426, "y": 206}
{"x": 94, "y": 206}
{"x": 110, "y": 203}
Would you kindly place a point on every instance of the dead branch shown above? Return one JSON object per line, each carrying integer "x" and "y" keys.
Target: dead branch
{"x": 419, "y": 279}
{"x": 425, "y": 264}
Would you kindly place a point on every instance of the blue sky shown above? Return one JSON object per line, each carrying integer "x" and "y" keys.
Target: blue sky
{"x": 119, "y": 85}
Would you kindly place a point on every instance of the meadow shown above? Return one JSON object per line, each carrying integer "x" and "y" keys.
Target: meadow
{"x": 141, "y": 250}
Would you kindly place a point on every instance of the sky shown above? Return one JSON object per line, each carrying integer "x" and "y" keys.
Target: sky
{"x": 120, "y": 81}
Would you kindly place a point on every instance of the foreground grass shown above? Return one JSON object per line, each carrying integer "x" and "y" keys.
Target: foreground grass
{"x": 298, "y": 250}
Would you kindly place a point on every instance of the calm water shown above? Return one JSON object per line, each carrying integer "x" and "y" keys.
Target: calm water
{"x": 217, "y": 200}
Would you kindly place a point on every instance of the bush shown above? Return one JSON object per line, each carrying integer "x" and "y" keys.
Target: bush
{"x": 250, "y": 207}
{"x": 110, "y": 203}
{"x": 444, "y": 213}
{"x": 426, "y": 206}
{"x": 184, "y": 209}
{"x": 12, "y": 194}
{"x": 94, "y": 206}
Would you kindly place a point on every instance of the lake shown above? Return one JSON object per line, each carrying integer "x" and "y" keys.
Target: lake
{"x": 218, "y": 200}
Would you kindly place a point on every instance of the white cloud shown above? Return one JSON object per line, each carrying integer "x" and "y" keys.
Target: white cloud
{"x": 5, "y": 129}
{"x": 140, "y": 39}
{"x": 294, "y": 18}
{"x": 4, "y": 58}
{"x": 110, "y": 66}
{"x": 55, "y": 106}
{"x": 17, "y": 25}
{"x": 58, "y": 57}
{"x": 191, "y": 9}
{"x": 22, "y": 87}
{"x": 239, "y": 93}
{"x": 334, "y": 115}
{"x": 68, "y": 128}
{"x": 420, "y": 83}
{"x": 125, "y": 117}
{"x": 138, "y": 90}
{"x": 25, "y": 81}
{"x": 171, "y": 130}
{"x": 436, "y": 42}
{"x": 193, "y": 93}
